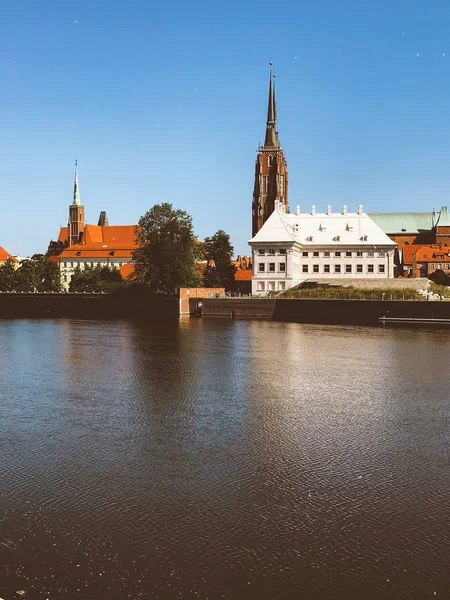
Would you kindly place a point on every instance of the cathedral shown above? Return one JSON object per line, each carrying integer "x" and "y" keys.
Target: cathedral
{"x": 271, "y": 172}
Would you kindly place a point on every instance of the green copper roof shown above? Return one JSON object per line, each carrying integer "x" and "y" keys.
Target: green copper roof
{"x": 412, "y": 223}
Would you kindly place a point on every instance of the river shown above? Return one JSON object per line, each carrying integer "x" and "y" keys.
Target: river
{"x": 223, "y": 459}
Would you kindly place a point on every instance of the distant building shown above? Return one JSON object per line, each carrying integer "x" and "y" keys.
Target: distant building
{"x": 412, "y": 231}
{"x": 291, "y": 248}
{"x": 4, "y": 256}
{"x": 81, "y": 245}
{"x": 271, "y": 172}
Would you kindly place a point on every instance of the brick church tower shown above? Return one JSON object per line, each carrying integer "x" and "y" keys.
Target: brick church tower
{"x": 75, "y": 226}
{"x": 271, "y": 172}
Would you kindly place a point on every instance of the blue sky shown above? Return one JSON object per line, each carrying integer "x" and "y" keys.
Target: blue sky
{"x": 167, "y": 102}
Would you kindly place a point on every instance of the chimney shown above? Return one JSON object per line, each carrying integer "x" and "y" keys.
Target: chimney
{"x": 360, "y": 209}
{"x": 329, "y": 209}
{"x": 298, "y": 210}
{"x": 313, "y": 209}
{"x": 344, "y": 209}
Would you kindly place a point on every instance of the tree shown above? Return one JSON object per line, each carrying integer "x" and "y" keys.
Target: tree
{"x": 8, "y": 276}
{"x": 100, "y": 278}
{"x": 440, "y": 278}
{"x": 38, "y": 274}
{"x": 167, "y": 250}
{"x": 219, "y": 251}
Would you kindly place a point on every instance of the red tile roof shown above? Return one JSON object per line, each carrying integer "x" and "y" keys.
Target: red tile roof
{"x": 5, "y": 255}
{"x": 63, "y": 235}
{"x": 126, "y": 270}
{"x": 242, "y": 275}
{"x": 103, "y": 242}
{"x": 409, "y": 251}
{"x": 432, "y": 254}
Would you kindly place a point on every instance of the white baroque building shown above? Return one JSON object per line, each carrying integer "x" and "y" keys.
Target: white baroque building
{"x": 291, "y": 248}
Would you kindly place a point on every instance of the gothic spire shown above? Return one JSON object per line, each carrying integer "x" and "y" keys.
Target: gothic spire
{"x": 271, "y": 126}
{"x": 76, "y": 190}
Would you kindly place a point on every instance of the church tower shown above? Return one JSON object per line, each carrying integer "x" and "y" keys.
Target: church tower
{"x": 75, "y": 226}
{"x": 271, "y": 172}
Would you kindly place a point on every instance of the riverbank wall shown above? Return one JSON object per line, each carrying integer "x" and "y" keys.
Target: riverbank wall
{"x": 351, "y": 312}
{"x": 87, "y": 306}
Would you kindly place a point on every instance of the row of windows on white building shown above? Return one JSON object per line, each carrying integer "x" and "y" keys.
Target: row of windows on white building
{"x": 72, "y": 264}
{"x": 325, "y": 253}
{"x": 337, "y": 268}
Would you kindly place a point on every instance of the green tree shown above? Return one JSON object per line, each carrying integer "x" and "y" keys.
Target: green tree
{"x": 167, "y": 250}
{"x": 100, "y": 278}
{"x": 8, "y": 276}
{"x": 37, "y": 274}
{"x": 218, "y": 249}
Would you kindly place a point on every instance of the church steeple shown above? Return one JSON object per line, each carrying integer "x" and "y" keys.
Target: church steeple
{"x": 271, "y": 140}
{"x": 271, "y": 173}
{"x": 75, "y": 225}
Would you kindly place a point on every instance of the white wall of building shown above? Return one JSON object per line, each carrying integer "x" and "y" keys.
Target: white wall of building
{"x": 67, "y": 266}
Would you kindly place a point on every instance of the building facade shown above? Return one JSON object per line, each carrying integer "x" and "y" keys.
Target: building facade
{"x": 292, "y": 248}
{"x": 271, "y": 172}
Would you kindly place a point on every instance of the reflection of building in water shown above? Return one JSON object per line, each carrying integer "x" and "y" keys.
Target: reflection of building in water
{"x": 292, "y": 248}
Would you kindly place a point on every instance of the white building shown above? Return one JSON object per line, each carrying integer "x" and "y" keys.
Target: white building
{"x": 290, "y": 248}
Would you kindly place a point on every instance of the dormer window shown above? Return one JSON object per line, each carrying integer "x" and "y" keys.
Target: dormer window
{"x": 78, "y": 253}
{"x": 309, "y": 238}
{"x": 337, "y": 238}
{"x": 322, "y": 227}
{"x": 364, "y": 238}
{"x": 349, "y": 227}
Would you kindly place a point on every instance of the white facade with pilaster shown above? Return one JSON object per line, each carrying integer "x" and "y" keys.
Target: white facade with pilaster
{"x": 291, "y": 248}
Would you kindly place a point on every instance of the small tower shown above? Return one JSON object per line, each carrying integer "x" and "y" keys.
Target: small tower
{"x": 75, "y": 226}
{"x": 271, "y": 172}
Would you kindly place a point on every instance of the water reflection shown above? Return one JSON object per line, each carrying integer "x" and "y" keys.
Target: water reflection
{"x": 229, "y": 459}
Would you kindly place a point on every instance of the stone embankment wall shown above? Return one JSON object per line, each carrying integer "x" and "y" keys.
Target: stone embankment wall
{"x": 191, "y": 298}
{"x": 356, "y": 312}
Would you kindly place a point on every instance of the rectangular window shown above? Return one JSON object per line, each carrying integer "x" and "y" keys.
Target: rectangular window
{"x": 326, "y": 268}
{"x": 326, "y": 253}
{"x": 281, "y": 285}
{"x": 359, "y": 268}
{"x": 261, "y": 251}
{"x": 348, "y": 253}
{"x": 282, "y": 251}
{"x": 305, "y": 268}
{"x": 261, "y": 267}
{"x": 447, "y": 265}
{"x": 370, "y": 268}
{"x": 439, "y": 266}
{"x": 338, "y": 253}
{"x": 359, "y": 253}
{"x": 272, "y": 267}
{"x": 282, "y": 267}
{"x": 261, "y": 286}
{"x": 380, "y": 268}
{"x": 370, "y": 254}
{"x": 304, "y": 253}
{"x": 348, "y": 268}
{"x": 272, "y": 252}
{"x": 71, "y": 264}
{"x": 92, "y": 264}
{"x": 65, "y": 264}
{"x": 315, "y": 268}
{"x": 381, "y": 254}
{"x": 272, "y": 286}
{"x": 337, "y": 268}
{"x": 431, "y": 266}
{"x": 316, "y": 253}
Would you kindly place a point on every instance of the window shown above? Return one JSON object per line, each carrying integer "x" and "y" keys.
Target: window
{"x": 304, "y": 254}
{"x": 71, "y": 264}
{"x": 337, "y": 268}
{"x": 348, "y": 268}
{"x": 447, "y": 265}
{"x": 261, "y": 286}
{"x": 305, "y": 268}
{"x": 338, "y": 253}
{"x": 282, "y": 267}
{"x": 359, "y": 268}
{"x": 272, "y": 252}
{"x": 348, "y": 253}
{"x": 92, "y": 264}
{"x": 439, "y": 266}
{"x": 272, "y": 285}
{"x": 269, "y": 161}
{"x": 272, "y": 267}
{"x": 120, "y": 264}
{"x": 315, "y": 268}
{"x": 326, "y": 253}
{"x": 261, "y": 267}
{"x": 370, "y": 254}
{"x": 381, "y": 254}
{"x": 65, "y": 264}
{"x": 316, "y": 253}
{"x": 281, "y": 285}
{"x": 326, "y": 268}
{"x": 359, "y": 253}
{"x": 282, "y": 251}
{"x": 261, "y": 251}
{"x": 370, "y": 268}
{"x": 380, "y": 268}
{"x": 431, "y": 266}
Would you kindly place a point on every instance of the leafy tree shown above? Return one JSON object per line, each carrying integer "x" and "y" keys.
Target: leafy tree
{"x": 8, "y": 276}
{"x": 37, "y": 274}
{"x": 218, "y": 249}
{"x": 100, "y": 278}
{"x": 167, "y": 250}
{"x": 440, "y": 278}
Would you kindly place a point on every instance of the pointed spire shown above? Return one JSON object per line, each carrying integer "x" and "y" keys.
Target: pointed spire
{"x": 271, "y": 126}
{"x": 76, "y": 190}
